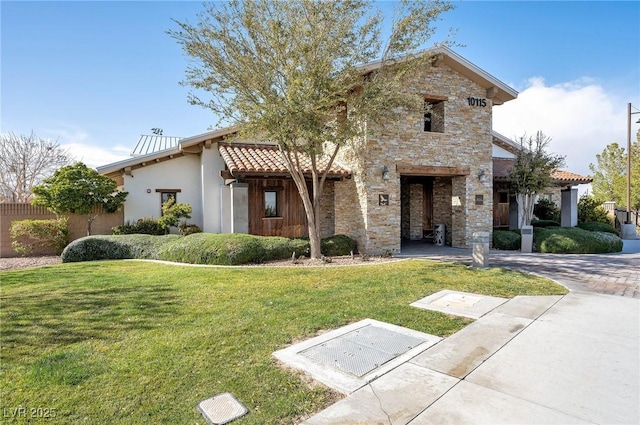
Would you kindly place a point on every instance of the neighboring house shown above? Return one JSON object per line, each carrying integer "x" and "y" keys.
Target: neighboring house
{"x": 506, "y": 213}
{"x": 398, "y": 183}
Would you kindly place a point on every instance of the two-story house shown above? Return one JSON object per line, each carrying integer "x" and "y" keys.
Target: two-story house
{"x": 398, "y": 182}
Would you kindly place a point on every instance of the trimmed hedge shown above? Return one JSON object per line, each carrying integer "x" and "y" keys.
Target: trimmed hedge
{"x": 146, "y": 226}
{"x": 506, "y": 240}
{"x": 115, "y": 247}
{"x": 573, "y": 240}
{"x": 338, "y": 245}
{"x": 212, "y": 248}
{"x": 544, "y": 223}
{"x": 198, "y": 248}
{"x": 594, "y": 226}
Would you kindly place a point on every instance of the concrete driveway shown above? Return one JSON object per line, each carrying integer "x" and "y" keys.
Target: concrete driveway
{"x": 611, "y": 274}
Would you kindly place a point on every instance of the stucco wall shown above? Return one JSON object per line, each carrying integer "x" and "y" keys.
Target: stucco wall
{"x": 466, "y": 142}
{"x": 181, "y": 173}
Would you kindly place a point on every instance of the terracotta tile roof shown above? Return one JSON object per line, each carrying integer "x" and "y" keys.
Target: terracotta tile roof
{"x": 567, "y": 177}
{"x": 268, "y": 160}
{"x": 501, "y": 167}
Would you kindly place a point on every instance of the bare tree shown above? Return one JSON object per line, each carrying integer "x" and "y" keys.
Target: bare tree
{"x": 25, "y": 161}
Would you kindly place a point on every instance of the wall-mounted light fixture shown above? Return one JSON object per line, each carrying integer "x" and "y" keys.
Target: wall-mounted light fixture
{"x": 482, "y": 177}
{"x": 385, "y": 173}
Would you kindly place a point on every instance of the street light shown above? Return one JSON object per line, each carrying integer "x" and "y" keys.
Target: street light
{"x": 629, "y": 113}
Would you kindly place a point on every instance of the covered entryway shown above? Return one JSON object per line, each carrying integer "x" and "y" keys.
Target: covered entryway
{"x": 427, "y": 200}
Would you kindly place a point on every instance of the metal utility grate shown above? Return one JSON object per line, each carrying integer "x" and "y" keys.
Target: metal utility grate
{"x": 363, "y": 350}
{"x": 221, "y": 409}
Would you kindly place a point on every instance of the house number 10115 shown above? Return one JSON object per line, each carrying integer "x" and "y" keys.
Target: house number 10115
{"x": 475, "y": 101}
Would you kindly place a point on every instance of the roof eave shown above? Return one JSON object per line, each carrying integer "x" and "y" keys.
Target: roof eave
{"x": 504, "y": 93}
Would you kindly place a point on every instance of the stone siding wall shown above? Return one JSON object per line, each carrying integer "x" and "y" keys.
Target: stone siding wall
{"x": 466, "y": 142}
{"x": 327, "y": 218}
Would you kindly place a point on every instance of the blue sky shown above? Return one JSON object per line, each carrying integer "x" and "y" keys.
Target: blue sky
{"x": 96, "y": 75}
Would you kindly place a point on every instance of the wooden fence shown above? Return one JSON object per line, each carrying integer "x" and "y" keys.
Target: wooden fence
{"x": 77, "y": 224}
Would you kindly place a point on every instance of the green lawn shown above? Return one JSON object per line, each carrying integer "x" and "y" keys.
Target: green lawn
{"x": 129, "y": 342}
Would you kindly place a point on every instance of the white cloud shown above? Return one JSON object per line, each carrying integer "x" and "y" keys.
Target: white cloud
{"x": 83, "y": 148}
{"x": 93, "y": 156}
{"x": 579, "y": 116}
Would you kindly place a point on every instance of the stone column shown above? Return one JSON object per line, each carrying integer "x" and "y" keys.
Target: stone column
{"x": 569, "y": 208}
{"x": 239, "y": 208}
{"x": 481, "y": 249}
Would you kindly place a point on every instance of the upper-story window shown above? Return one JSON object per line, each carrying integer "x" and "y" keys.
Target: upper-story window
{"x": 434, "y": 115}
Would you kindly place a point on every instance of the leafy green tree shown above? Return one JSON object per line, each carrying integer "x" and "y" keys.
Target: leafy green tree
{"x": 590, "y": 210}
{"x": 609, "y": 174}
{"x": 172, "y": 213}
{"x": 531, "y": 172}
{"x": 77, "y": 189}
{"x": 546, "y": 209}
{"x": 291, "y": 72}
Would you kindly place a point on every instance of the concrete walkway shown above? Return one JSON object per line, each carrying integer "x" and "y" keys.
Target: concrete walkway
{"x": 571, "y": 359}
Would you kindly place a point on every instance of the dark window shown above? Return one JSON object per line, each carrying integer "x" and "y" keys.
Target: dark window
{"x": 434, "y": 116}
{"x": 270, "y": 203}
{"x": 504, "y": 198}
{"x": 165, "y": 196}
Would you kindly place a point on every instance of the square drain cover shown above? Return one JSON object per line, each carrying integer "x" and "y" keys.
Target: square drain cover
{"x": 221, "y": 409}
{"x": 457, "y": 301}
{"x": 363, "y": 350}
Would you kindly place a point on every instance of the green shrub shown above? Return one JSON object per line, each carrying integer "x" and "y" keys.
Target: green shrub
{"x": 590, "y": 209}
{"x": 544, "y": 223}
{"x": 144, "y": 226}
{"x": 573, "y": 240}
{"x": 506, "y": 240}
{"x": 198, "y": 248}
{"x": 115, "y": 247}
{"x": 214, "y": 248}
{"x": 546, "y": 209}
{"x": 172, "y": 213}
{"x": 27, "y": 234}
{"x": 280, "y": 248}
{"x": 188, "y": 229}
{"x": 598, "y": 227}
{"x": 338, "y": 245}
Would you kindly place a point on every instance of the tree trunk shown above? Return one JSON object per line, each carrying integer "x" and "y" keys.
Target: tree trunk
{"x": 526, "y": 201}
{"x": 89, "y": 220}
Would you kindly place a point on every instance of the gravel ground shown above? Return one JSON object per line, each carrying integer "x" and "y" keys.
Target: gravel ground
{"x": 26, "y": 262}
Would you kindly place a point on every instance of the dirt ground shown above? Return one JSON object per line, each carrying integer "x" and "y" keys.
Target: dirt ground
{"x": 26, "y": 262}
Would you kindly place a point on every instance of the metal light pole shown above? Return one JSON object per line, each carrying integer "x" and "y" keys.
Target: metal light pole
{"x": 629, "y": 113}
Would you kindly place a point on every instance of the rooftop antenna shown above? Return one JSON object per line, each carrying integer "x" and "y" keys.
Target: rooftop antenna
{"x": 157, "y": 131}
